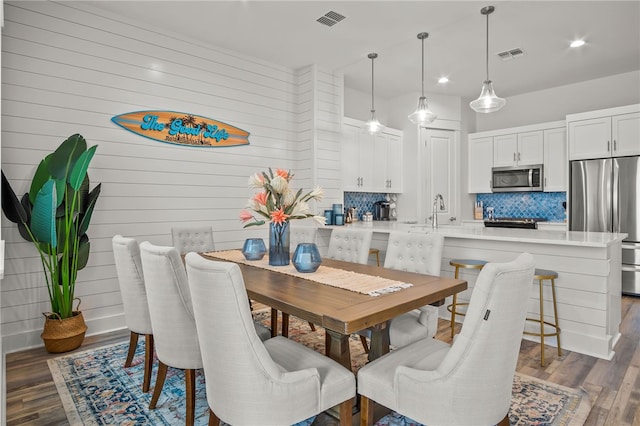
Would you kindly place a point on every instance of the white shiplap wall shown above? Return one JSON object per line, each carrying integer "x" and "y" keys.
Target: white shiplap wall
{"x": 68, "y": 68}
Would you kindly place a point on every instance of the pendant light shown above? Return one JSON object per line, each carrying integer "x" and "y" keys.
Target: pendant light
{"x": 487, "y": 101}
{"x": 422, "y": 115}
{"x": 372, "y": 126}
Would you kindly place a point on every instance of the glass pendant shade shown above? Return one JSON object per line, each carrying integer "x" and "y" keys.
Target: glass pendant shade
{"x": 422, "y": 115}
{"x": 488, "y": 101}
{"x": 372, "y": 126}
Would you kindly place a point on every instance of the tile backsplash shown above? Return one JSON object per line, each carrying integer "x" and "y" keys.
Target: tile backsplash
{"x": 363, "y": 201}
{"x": 546, "y": 205}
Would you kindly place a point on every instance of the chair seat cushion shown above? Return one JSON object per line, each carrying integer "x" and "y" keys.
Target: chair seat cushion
{"x": 376, "y": 379}
{"x": 337, "y": 383}
{"x": 263, "y": 332}
{"x": 412, "y": 326}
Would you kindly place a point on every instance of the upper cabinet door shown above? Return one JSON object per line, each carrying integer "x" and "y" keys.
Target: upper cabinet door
{"x": 626, "y": 134}
{"x": 394, "y": 164}
{"x": 590, "y": 138}
{"x": 530, "y": 148}
{"x": 505, "y": 150}
{"x": 555, "y": 160}
{"x": 480, "y": 163}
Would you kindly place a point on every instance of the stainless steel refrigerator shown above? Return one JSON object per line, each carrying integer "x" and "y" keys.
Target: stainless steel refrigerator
{"x": 605, "y": 198}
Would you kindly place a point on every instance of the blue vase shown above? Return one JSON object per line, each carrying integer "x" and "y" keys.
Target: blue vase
{"x": 306, "y": 258}
{"x": 279, "y": 244}
{"x": 254, "y": 249}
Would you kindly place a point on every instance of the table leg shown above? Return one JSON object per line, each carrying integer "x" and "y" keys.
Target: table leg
{"x": 338, "y": 344}
{"x": 379, "y": 340}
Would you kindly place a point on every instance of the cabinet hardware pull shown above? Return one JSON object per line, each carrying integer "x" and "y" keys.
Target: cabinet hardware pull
{"x": 452, "y": 219}
{"x": 514, "y": 156}
{"x": 615, "y": 147}
{"x": 518, "y": 156}
{"x": 608, "y": 146}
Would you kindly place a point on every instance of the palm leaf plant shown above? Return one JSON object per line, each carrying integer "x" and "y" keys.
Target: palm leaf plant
{"x": 55, "y": 216}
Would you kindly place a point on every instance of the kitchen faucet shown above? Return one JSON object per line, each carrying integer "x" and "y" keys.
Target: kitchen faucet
{"x": 434, "y": 217}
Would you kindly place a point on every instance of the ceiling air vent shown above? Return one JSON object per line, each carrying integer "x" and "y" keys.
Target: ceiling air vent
{"x": 511, "y": 54}
{"x": 330, "y": 18}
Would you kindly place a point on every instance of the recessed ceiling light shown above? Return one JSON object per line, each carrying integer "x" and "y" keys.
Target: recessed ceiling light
{"x": 577, "y": 43}
{"x": 443, "y": 80}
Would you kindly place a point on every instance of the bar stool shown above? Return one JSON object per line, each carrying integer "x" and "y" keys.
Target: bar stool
{"x": 541, "y": 275}
{"x": 466, "y": 264}
{"x": 377, "y": 253}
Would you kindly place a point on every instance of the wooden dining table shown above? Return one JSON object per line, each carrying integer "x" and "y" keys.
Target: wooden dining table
{"x": 343, "y": 312}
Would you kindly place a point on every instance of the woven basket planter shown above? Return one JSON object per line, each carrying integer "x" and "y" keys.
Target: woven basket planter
{"x": 63, "y": 335}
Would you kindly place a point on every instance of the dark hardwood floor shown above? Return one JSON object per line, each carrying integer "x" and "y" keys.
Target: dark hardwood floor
{"x": 613, "y": 386}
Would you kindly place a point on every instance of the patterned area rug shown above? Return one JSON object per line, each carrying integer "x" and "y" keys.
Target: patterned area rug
{"x": 96, "y": 389}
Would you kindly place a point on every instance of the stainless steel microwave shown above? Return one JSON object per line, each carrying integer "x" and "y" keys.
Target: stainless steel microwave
{"x": 517, "y": 178}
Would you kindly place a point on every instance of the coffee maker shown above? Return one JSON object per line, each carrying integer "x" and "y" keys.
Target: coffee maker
{"x": 381, "y": 210}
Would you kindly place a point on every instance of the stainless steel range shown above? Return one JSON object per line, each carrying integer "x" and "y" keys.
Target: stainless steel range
{"x": 512, "y": 222}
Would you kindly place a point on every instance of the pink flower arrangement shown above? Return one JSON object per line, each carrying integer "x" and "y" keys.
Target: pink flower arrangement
{"x": 277, "y": 202}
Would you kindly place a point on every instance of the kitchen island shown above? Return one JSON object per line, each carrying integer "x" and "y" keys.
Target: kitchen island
{"x": 588, "y": 289}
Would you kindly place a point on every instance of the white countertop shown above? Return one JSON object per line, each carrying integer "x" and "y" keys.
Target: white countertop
{"x": 536, "y": 236}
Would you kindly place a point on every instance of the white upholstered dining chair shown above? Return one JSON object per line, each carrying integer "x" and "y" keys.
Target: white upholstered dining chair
{"x": 250, "y": 382}
{"x": 126, "y": 254}
{"x": 350, "y": 245}
{"x": 174, "y": 327}
{"x": 420, "y": 253}
{"x": 192, "y": 238}
{"x": 470, "y": 381}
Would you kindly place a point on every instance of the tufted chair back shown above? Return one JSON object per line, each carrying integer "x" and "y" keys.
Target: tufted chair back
{"x": 414, "y": 252}
{"x": 302, "y": 234}
{"x": 198, "y": 239}
{"x": 170, "y": 307}
{"x": 350, "y": 245}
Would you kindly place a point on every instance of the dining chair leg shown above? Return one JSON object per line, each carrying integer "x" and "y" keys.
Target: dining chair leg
{"x": 213, "y": 419}
{"x": 274, "y": 322}
{"x": 157, "y": 389}
{"x": 148, "y": 362}
{"x": 285, "y": 324}
{"x": 133, "y": 343}
{"x": 366, "y": 411}
{"x": 312, "y": 326}
{"x": 190, "y": 386}
{"x": 504, "y": 421}
{"x": 346, "y": 413}
{"x": 365, "y": 345}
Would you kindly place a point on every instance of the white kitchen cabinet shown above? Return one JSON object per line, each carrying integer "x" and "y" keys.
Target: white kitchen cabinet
{"x": 480, "y": 164}
{"x": 519, "y": 146}
{"x": 625, "y": 130}
{"x": 613, "y": 132}
{"x": 518, "y": 149}
{"x": 371, "y": 163}
{"x": 394, "y": 164}
{"x": 555, "y": 160}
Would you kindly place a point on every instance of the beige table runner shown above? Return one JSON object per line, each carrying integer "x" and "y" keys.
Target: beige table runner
{"x": 348, "y": 280}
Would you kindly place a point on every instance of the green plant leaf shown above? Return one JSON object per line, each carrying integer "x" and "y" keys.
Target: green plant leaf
{"x": 79, "y": 170}
{"x": 64, "y": 158}
{"x": 40, "y": 177}
{"x": 43, "y": 217}
{"x": 83, "y": 252}
{"x": 85, "y": 217}
{"x": 13, "y": 210}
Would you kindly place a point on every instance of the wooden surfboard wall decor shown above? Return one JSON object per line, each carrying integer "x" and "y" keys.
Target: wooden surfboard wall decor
{"x": 182, "y": 129}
